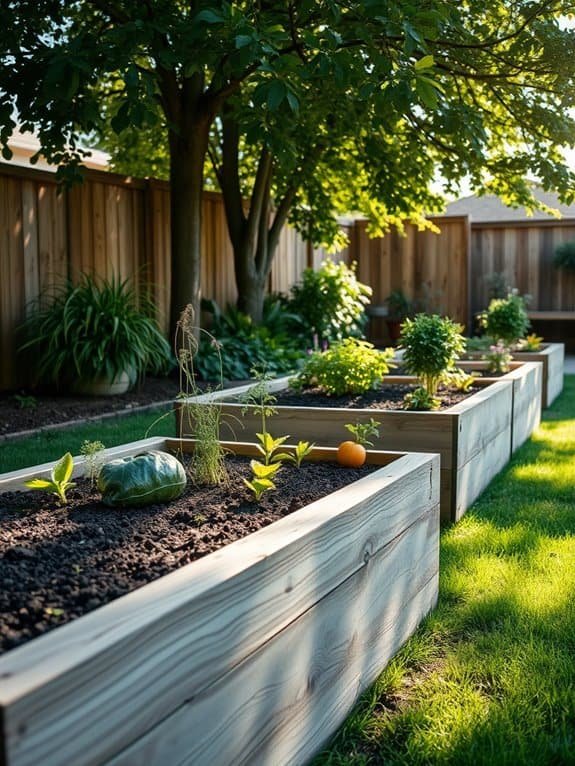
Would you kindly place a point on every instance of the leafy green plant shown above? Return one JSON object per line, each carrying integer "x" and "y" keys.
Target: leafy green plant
{"x": 421, "y": 399}
{"x": 363, "y": 432}
{"x": 331, "y": 302}
{"x": 506, "y": 318}
{"x": 59, "y": 482}
{"x": 530, "y": 343}
{"x": 498, "y": 358}
{"x": 350, "y": 367}
{"x": 95, "y": 329}
{"x": 261, "y": 401}
{"x": 235, "y": 345}
{"x": 460, "y": 380}
{"x": 432, "y": 345}
{"x": 204, "y": 418}
{"x": 261, "y": 480}
{"x": 25, "y": 401}
{"x": 564, "y": 256}
{"x": 94, "y": 458}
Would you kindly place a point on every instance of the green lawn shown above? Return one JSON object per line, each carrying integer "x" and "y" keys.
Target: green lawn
{"x": 50, "y": 445}
{"x": 490, "y": 676}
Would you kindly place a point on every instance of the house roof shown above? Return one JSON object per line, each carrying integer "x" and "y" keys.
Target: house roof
{"x": 25, "y": 145}
{"x": 490, "y": 208}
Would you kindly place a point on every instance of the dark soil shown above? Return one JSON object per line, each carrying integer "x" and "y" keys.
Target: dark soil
{"x": 57, "y": 563}
{"x": 23, "y": 411}
{"x": 387, "y": 397}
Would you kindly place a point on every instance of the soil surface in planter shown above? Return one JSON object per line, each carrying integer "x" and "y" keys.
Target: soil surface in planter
{"x": 58, "y": 563}
{"x": 388, "y": 397}
{"x": 19, "y": 412}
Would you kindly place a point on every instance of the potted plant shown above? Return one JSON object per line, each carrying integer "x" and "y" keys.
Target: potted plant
{"x": 399, "y": 308}
{"x": 95, "y": 337}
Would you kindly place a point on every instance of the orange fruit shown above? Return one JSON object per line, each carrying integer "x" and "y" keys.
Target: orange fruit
{"x": 351, "y": 454}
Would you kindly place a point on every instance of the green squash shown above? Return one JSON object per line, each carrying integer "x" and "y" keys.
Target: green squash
{"x": 144, "y": 479}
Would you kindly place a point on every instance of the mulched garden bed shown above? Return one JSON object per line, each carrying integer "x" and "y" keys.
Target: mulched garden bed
{"x": 58, "y": 563}
{"x": 22, "y": 411}
{"x": 387, "y": 397}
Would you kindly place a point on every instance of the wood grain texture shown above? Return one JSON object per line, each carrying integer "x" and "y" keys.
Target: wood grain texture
{"x": 114, "y": 675}
{"x": 281, "y": 705}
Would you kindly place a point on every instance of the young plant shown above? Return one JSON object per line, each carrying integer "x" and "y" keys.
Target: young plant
{"x": 302, "y": 450}
{"x": 506, "y": 319}
{"x": 261, "y": 480}
{"x": 25, "y": 401}
{"x": 421, "y": 399}
{"x": 204, "y": 419}
{"x": 432, "y": 345}
{"x": 59, "y": 482}
{"x": 350, "y": 367}
{"x": 459, "y": 380}
{"x": 530, "y": 343}
{"x": 94, "y": 458}
{"x": 352, "y": 454}
{"x": 498, "y": 358}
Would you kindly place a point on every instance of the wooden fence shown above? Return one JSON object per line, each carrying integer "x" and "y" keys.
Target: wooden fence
{"x": 522, "y": 252}
{"x": 116, "y": 225}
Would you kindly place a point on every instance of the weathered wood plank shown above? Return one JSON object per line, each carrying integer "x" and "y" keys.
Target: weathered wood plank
{"x": 114, "y": 674}
{"x": 335, "y": 650}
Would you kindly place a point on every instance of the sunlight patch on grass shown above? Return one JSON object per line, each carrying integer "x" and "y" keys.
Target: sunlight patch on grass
{"x": 488, "y": 679}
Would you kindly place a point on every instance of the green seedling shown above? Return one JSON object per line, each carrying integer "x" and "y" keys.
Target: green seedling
{"x": 302, "y": 450}
{"x": 421, "y": 399}
{"x": 59, "y": 482}
{"x": 363, "y": 431}
{"x": 94, "y": 457}
{"x": 261, "y": 477}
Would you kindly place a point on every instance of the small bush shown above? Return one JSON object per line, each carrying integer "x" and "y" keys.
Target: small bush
{"x": 564, "y": 257}
{"x": 350, "y": 367}
{"x": 432, "y": 345}
{"x": 331, "y": 302}
{"x": 506, "y": 319}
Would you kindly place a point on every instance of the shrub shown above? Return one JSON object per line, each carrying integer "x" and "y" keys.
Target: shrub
{"x": 506, "y": 319}
{"x": 432, "y": 345}
{"x": 95, "y": 329}
{"x": 331, "y": 302}
{"x": 349, "y": 367}
{"x": 564, "y": 257}
{"x": 235, "y": 345}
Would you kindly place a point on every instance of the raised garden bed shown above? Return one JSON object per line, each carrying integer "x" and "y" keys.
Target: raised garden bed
{"x": 527, "y": 378}
{"x": 253, "y": 654}
{"x": 552, "y": 358}
{"x": 472, "y": 437}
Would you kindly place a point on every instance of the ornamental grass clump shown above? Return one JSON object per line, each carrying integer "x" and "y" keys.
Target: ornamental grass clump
{"x": 432, "y": 346}
{"x": 350, "y": 367}
{"x": 95, "y": 329}
{"x": 506, "y": 319}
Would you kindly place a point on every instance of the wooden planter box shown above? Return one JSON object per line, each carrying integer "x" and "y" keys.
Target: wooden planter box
{"x": 552, "y": 358}
{"x": 253, "y": 654}
{"x": 473, "y": 438}
{"x": 527, "y": 378}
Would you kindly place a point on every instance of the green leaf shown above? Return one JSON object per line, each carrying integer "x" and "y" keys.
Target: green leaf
{"x": 62, "y": 471}
{"x": 426, "y": 93}
{"x": 209, "y": 16}
{"x": 39, "y": 484}
{"x": 242, "y": 41}
{"x": 276, "y": 94}
{"x": 262, "y": 471}
{"x": 424, "y": 63}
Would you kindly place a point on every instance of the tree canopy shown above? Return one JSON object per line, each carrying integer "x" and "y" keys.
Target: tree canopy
{"x": 326, "y": 105}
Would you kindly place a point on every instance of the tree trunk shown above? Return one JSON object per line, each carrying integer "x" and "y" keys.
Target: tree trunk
{"x": 187, "y": 153}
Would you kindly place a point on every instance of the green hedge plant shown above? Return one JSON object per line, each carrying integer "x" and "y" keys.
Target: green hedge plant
{"x": 350, "y": 367}
{"x": 432, "y": 346}
{"x": 331, "y": 302}
{"x": 506, "y": 319}
{"x": 564, "y": 256}
{"x": 95, "y": 329}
